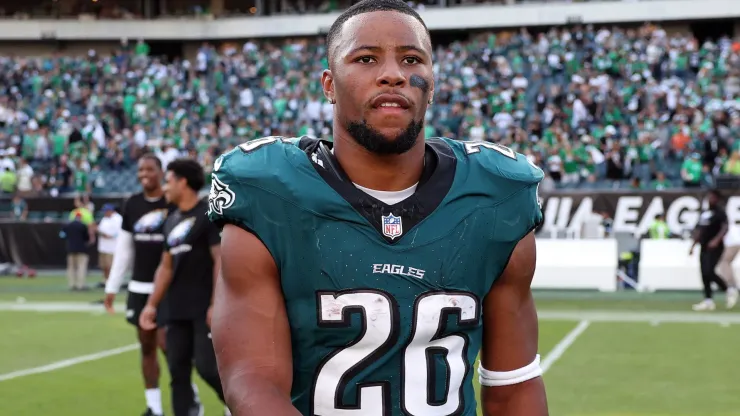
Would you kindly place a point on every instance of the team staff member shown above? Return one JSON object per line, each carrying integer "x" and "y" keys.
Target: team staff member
{"x": 710, "y": 233}
{"x": 190, "y": 263}
{"x": 139, "y": 244}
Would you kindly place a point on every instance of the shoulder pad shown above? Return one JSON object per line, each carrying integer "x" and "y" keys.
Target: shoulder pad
{"x": 253, "y": 183}
{"x": 498, "y": 162}
{"x": 507, "y": 179}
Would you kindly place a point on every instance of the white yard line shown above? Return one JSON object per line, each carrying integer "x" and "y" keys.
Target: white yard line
{"x": 68, "y": 363}
{"x": 55, "y": 307}
{"x": 655, "y": 317}
{"x": 563, "y": 346}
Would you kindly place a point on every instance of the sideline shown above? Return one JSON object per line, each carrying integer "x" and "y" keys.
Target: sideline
{"x": 614, "y": 315}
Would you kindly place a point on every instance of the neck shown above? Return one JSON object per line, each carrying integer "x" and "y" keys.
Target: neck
{"x": 188, "y": 202}
{"x": 379, "y": 172}
{"x": 156, "y": 193}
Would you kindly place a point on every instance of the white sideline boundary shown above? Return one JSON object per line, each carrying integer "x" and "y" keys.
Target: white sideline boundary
{"x": 563, "y": 345}
{"x": 723, "y": 318}
{"x": 68, "y": 363}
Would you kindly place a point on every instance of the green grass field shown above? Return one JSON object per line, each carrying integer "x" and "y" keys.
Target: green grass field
{"x": 622, "y": 354}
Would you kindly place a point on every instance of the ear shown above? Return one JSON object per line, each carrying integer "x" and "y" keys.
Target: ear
{"x": 327, "y": 83}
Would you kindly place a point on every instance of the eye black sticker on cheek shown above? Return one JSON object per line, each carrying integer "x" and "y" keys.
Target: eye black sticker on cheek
{"x": 419, "y": 82}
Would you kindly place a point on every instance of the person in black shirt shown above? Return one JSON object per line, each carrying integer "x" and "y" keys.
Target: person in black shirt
{"x": 139, "y": 247}
{"x": 709, "y": 233}
{"x": 190, "y": 264}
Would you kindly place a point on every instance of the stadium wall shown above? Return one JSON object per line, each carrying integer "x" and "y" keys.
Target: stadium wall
{"x": 562, "y": 263}
{"x": 631, "y": 211}
{"x": 457, "y": 18}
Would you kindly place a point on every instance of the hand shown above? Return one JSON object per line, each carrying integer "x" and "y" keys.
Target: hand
{"x": 108, "y": 302}
{"x": 713, "y": 244}
{"x": 147, "y": 318}
{"x": 209, "y": 314}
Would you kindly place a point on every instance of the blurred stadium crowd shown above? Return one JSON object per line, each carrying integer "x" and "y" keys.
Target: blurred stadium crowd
{"x": 633, "y": 108}
{"x": 135, "y": 9}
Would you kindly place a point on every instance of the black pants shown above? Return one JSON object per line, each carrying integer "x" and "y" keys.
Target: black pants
{"x": 708, "y": 259}
{"x": 189, "y": 341}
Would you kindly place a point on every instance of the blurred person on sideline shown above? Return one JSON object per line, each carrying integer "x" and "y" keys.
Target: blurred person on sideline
{"x": 659, "y": 228}
{"x": 78, "y": 243}
{"x": 139, "y": 248}
{"x": 709, "y": 234}
{"x": 732, "y": 247}
{"x": 107, "y": 230}
{"x": 190, "y": 265}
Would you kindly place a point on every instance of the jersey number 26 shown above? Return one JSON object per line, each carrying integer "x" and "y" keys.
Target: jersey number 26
{"x": 381, "y": 327}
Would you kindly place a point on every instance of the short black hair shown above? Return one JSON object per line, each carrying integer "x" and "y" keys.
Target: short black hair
{"x": 152, "y": 157}
{"x": 190, "y": 170}
{"x": 369, "y": 6}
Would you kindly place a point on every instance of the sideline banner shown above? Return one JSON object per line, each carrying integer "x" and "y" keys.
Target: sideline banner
{"x": 631, "y": 211}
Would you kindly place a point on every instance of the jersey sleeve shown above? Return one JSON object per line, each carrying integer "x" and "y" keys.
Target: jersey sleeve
{"x": 520, "y": 213}
{"x": 511, "y": 182}
{"x": 245, "y": 188}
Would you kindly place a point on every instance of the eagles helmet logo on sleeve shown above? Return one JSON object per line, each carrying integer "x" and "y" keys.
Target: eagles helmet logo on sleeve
{"x": 220, "y": 197}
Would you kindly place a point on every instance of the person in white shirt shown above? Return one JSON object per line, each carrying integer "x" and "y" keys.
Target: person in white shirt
{"x": 724, "y": 268}
{"x": 108, "y": 230}
{"x": 25, "y": 174}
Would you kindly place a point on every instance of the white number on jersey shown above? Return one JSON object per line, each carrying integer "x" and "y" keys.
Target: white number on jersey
{"x": 474, "y": 147}
{"x": 253, "y": 145}
{"x": 380, "y": 322}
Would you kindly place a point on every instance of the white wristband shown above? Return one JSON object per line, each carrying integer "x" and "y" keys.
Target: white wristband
{"x": 506, "y": 378}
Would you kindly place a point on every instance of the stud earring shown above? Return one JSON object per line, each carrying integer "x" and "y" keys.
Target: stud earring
{"x": 332, "y": 101}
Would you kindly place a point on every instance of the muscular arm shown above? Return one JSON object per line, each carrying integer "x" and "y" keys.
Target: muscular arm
{"x": 250, "y": 330}
{"x": 162, "y": 280}
{"x": 510, "y": 337}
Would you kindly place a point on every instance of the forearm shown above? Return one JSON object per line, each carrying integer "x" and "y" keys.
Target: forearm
{"x": 247, "y": 395}
{"x": 523, "y": 399}
{"x": 162, "y": 280}
{"x": 721, "y": 234}
{"x": 122, "y": 259}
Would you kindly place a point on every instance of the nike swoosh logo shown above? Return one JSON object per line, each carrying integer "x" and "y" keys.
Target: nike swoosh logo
{"x": 513, "y": 222}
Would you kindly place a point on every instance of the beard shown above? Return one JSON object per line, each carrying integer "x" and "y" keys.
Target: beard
{"x": 375, "y": 142}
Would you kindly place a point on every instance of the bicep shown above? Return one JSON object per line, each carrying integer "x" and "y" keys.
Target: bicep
{"x": 509, "y": 317}
{"x": 250, "y": 327}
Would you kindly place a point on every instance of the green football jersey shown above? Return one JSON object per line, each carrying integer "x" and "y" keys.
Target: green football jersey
{"x": 384, "y": 301}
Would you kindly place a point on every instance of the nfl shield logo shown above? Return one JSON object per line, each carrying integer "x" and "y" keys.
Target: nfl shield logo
{"x": 392, "y": 226}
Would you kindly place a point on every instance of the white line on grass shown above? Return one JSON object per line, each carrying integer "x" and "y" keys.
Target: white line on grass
{"x": 563, "y": 346}
{"x": 68, "y": 363}
{"x": 55, "y": 307}
{"x": 652, "y": 317}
